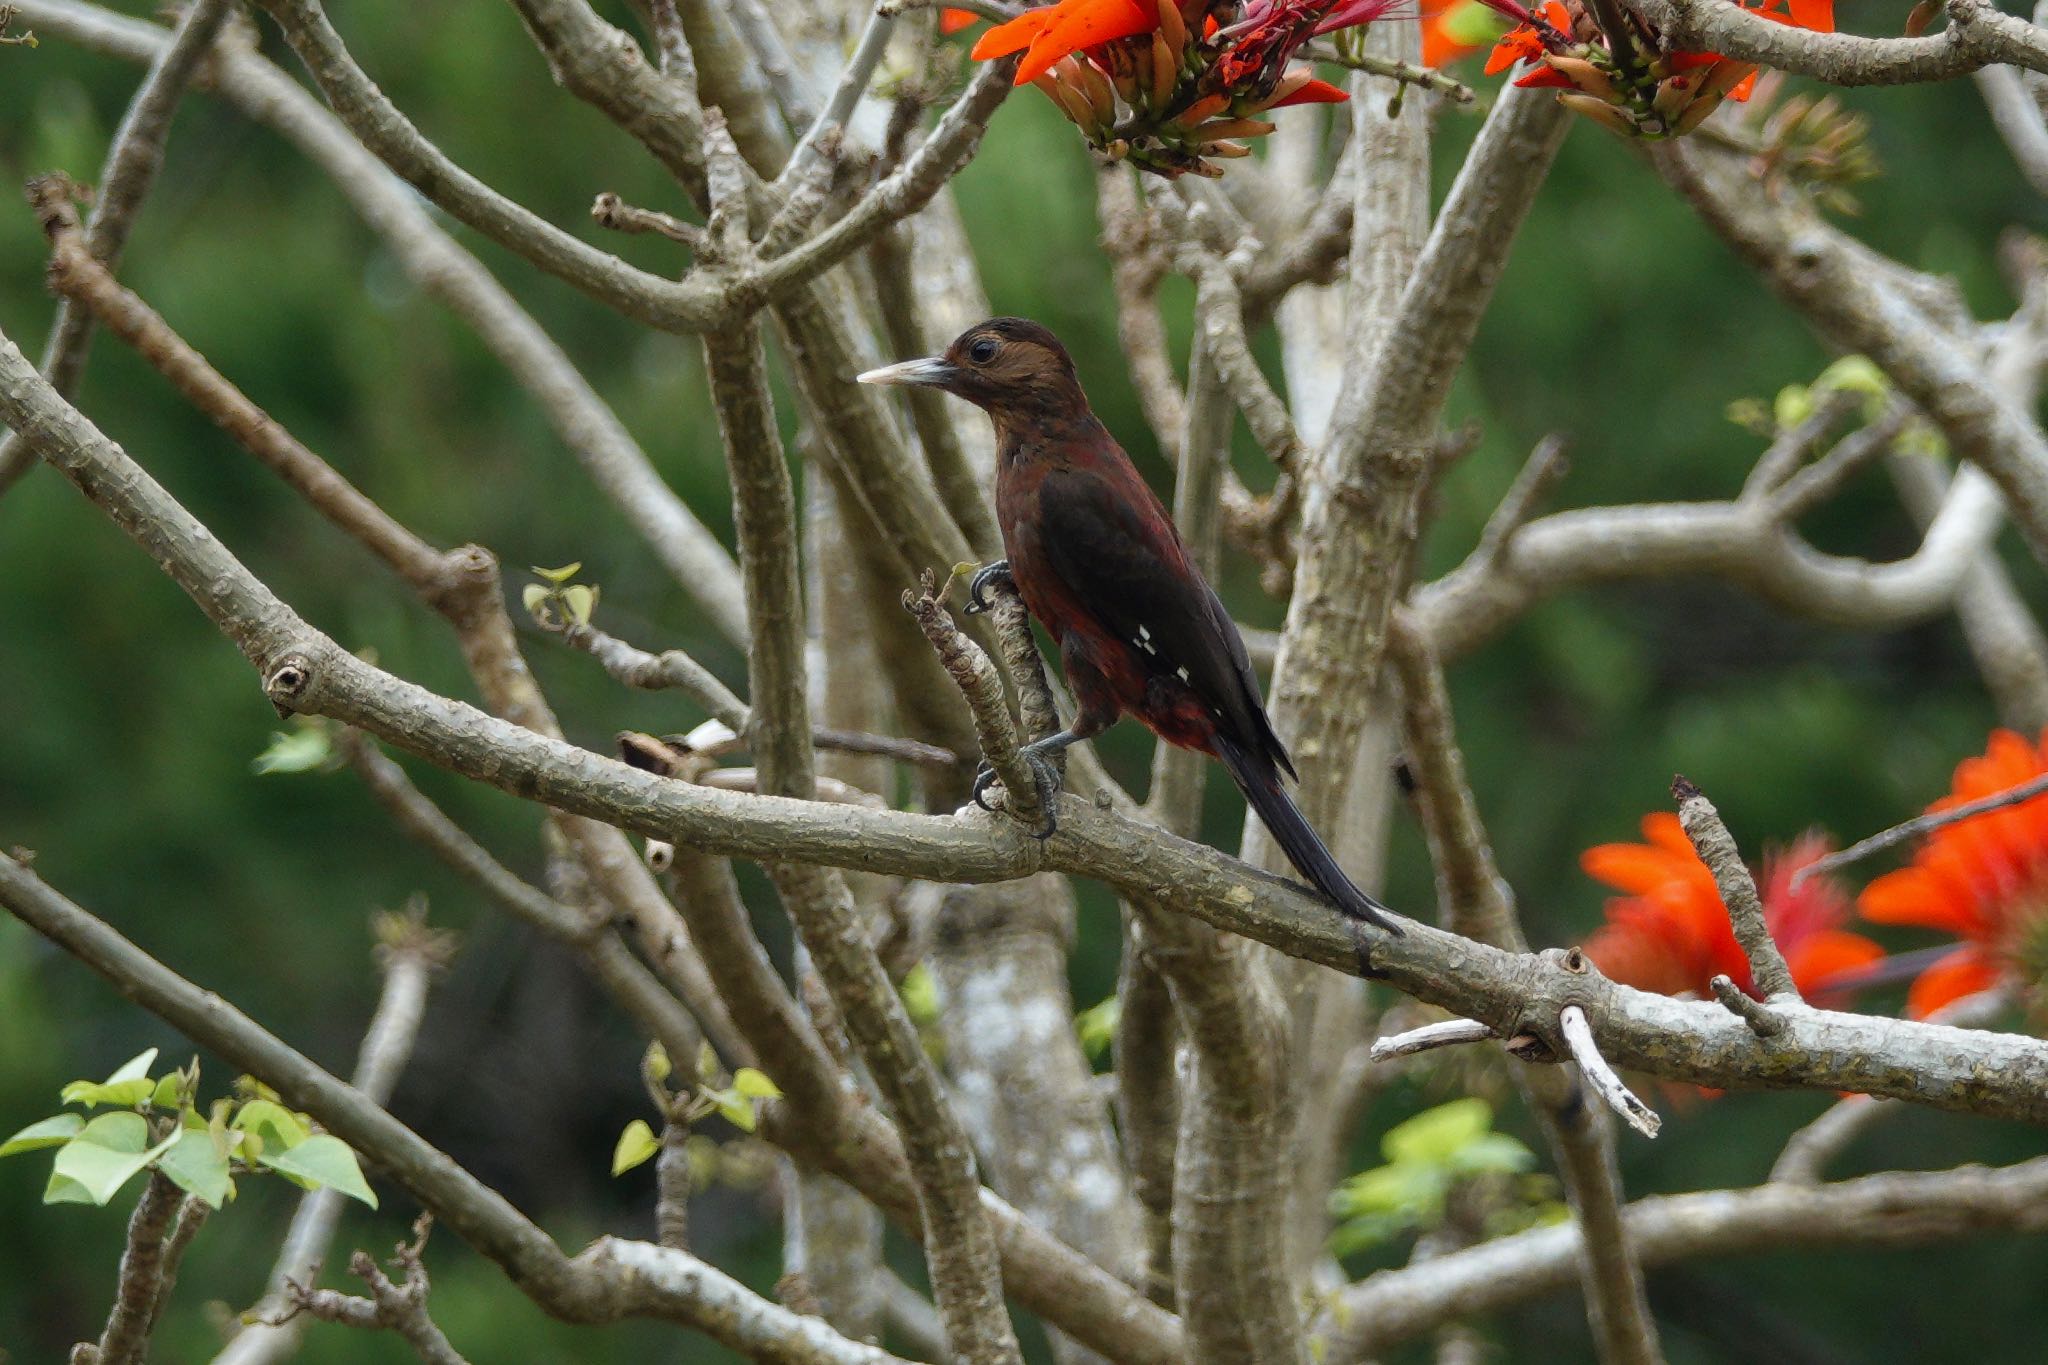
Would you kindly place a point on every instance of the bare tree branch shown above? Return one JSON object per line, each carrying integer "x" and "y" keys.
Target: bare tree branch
{"x": 689, "y": 306}
{"x": 611, "y": 1280}
{"x": 130, "y": 170}
{"x": 1977, "y": 35}
{"x": 408, "y": 963}
{"x": 1894, "y": 1209}
{"x": 1716, "y": 847}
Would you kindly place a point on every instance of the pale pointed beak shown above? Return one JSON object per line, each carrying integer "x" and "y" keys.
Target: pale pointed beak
{"x": 933, "y": 371}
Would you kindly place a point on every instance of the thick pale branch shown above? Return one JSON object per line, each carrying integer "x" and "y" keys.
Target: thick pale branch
{"x": 593, "y": 1287}
{"x": 1993, "y": 1074}
{"x": 615, "y": 462}
{"x": 1853, "y": 297}
{"x": 689, "y": 306}
{"x": 1894, "y": 1209}
{"x": 1977, "y": 35}
{"x": 408, "y": 965}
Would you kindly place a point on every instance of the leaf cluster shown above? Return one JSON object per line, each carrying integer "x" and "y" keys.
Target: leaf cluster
{"x": 156, "y": 1124}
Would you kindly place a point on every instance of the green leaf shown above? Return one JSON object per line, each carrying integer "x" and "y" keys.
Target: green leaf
{"x": 707, "y": 1061}
{"x": 656, "y": 1063}
{"x": 1366, "y": 1232}
{"x": 1794, "y": 405}
{"x": 920, "y": 992}
{"x": 561, "y": 575}
{"x": 278, "y": 1126}
{"x": 324, "y": 1161}
{"x": 1491, "y": 1153}
{"x": 53, "y": 1131}
{"x": 1435, "y": 1134}
{"x": 92, "y": 1167}
{"x": 634, "y": 1146}
{"x": 755, "y": 1085}
{"x": 198, "y": 1165}
{"x": 738, "y": 1110}
{"x": 1097, "y": 1026}
{"x": 579, "y": 600}
{"x": 128, "y": 1086}
{"x": 169, "y": 1091}
{"x": 303, "y": 750}
{"x": 1410, "y": 1189}
{"x": 533, "y": 595}
{"x": 1857, "y": 374}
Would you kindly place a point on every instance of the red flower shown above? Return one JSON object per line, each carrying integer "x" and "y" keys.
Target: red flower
{"x": 953, "y": 20}
{"x": 1984, "y": 880}
{"x": 1052, "y": 32}
{"x": 1171, "y": 84}
{"x": 1649, "y": 93}
{"x": 1671, "y": 934}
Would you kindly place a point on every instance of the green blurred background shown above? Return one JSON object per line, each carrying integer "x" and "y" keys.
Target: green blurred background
{"x": 127, "y": 725}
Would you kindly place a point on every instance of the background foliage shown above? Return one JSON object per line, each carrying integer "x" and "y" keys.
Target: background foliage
{"x": 127, "y": 727}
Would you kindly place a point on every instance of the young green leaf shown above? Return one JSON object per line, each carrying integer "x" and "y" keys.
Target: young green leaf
{"x": 1097, "y": 1026}
{"x": 1435, "y": 1134}
{"x": 755, "y": 1085}
{"x": 53, "y": 1131}
{"x": 561, "y": 575}
{"x": 579, "y": 600}
{"x": 198, "y": 1165}
{"x": 129, "y": 1085}
{"x": 324, "y": 1161}
{"x": 634, "y": 1146}
{"x": 920, "y": 992}
{"x": 656, "y": 1063}
{"x": 278, "y": 1126}
{"x": 87, "y": 1172}
{"x": 738, "y": 1110}
{"x": 303, "y": 750}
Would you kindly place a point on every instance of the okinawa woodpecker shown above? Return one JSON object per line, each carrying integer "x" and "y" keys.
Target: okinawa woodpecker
{"x": 1098, "y": 562}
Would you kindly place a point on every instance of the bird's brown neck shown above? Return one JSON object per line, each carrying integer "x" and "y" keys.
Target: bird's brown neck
{"x": 1035, "y": 435}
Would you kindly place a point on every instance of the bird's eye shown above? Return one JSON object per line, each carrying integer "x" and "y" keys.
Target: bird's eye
{"x": 982, "y": 350}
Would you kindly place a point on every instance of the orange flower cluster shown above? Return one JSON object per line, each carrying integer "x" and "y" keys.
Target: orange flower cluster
{"x": 1983, "y": 879}
{"x": 1645, "y": 92}
{"x": 1173, "y": 86}
{"x": 1670, "y": 933}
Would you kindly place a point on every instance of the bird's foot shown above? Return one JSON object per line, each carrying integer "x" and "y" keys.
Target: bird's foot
{"x": 986, "y": 579}
{"x": 1045, "y": 777}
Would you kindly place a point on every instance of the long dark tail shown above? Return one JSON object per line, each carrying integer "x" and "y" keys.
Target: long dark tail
{"x": 1259, "y": 780}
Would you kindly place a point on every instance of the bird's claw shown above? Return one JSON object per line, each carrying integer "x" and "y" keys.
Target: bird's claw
{"x": 1045, "y": 778}
{"x": 985, "y": 580}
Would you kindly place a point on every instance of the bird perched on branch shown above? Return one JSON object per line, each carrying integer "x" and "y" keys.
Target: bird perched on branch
{"x": 1098, "y": 563}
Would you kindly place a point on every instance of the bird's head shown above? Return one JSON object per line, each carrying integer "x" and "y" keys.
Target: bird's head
{"x": 1012, "y": 367}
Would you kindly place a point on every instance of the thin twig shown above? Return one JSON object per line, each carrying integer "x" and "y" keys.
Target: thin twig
{"x": 408, "y": 961}
{"x": 1540, "y": 473}
{"x": 133, "y": 160}
{"x": 846, "y": 95}
{"x": 399, "y": 1307}
{"x": 976, "y": 677}
{"x": 1405, "y": 73}
{"x": 1443, "y": 1033}
{"x": 610, "y": 211}
{"x": 1716, "y": 848}
{"x": 1921, "y": 825}
{"x": 1578, "y": 1036}
{"x": 1746, "y": 1007}
{"x": 672, "y": 668}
